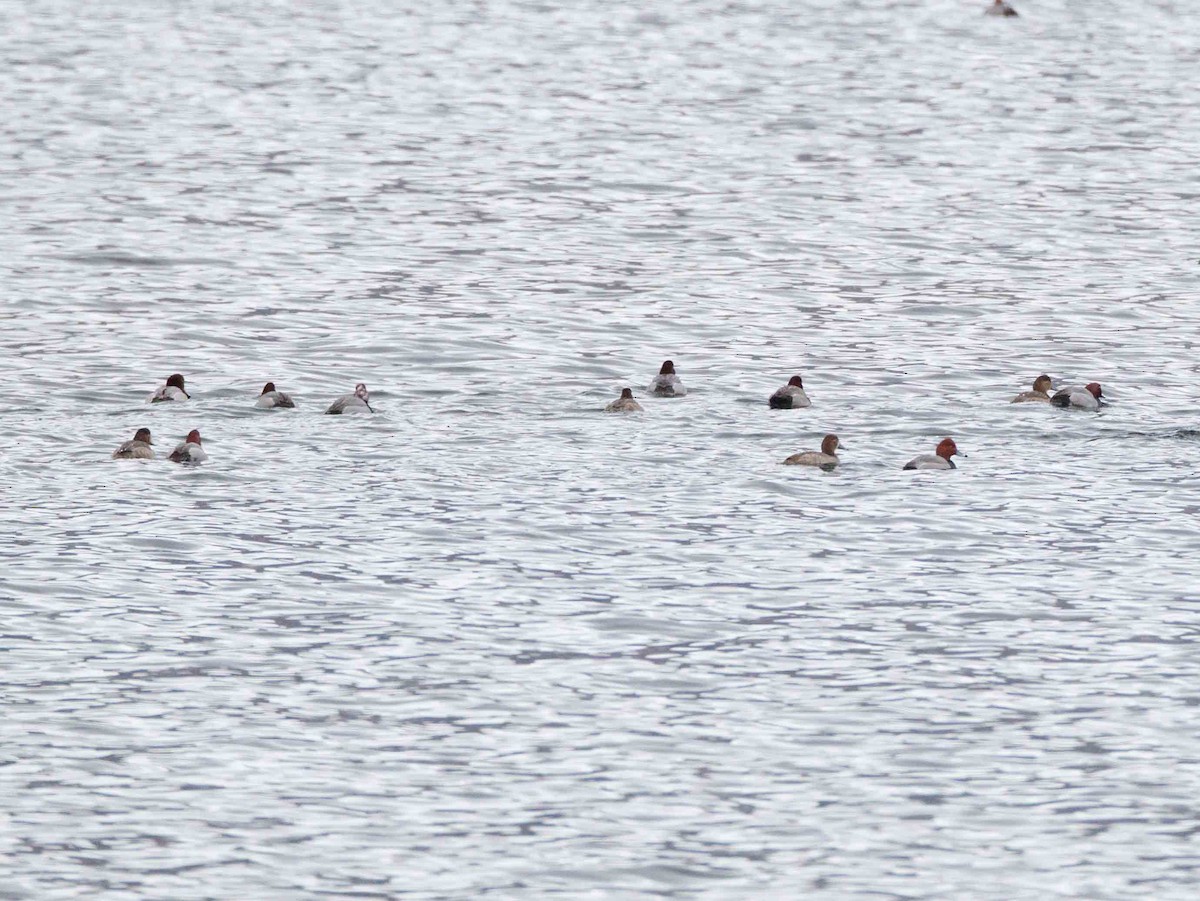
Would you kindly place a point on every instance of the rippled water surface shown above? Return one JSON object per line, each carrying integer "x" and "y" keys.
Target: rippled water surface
{"x": 493, "y": 642}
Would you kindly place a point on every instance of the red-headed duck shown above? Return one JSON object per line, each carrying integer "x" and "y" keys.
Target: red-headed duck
{"x": 941, "y": 460}
{"x": 137, "y": 448}
{"x": 624, "y": 404}
{"x": 666, "y": 383}
{"x": 791, "y": 396}
{"x": 999, "y": 8}
{"x": 358, "y": 402}
{"x": 190, "y": 450}
{"x": 1085, "y": 398}
{"x": 172, "y": 390}
{"x": 826, "y": 458}
{"x": 1039, "y": 395}
{"x": 272, "y": 398}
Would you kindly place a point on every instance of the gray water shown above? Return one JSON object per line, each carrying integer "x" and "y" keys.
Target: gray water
{"x": 493, "y": 642}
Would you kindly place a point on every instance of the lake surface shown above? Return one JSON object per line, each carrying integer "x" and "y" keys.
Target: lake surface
{"x": 493, "y": 642}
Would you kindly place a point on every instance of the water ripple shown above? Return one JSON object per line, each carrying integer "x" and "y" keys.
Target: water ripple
{"x": 494, "y": 641}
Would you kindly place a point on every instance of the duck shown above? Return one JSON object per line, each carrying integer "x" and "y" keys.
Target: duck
{"x": 190, "y": 450}
{"x": 137, "y": 448}
{"x": 666, "y": 383}
{"x": 939, "y": 460}
{"x": 358, "y": 402}
{"x": 826, "y": 457}
{"x": 624, "y": 404}
{"x": 999, "y": 8}
{"x": 172, "y": 390}
{"x": 1039, "y": 395}
{"x": 791, "y": 396}
{"x": 1089, "y": 397}
{"x": 272, "y": 398}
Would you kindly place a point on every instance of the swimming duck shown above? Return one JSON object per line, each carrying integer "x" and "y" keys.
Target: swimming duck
{"x": 826, "y": 458}
{"x": 624, "y": 404}
{"x": 1085, "y": 398}
{"x": 137, "y": 448}
{"x": 1039, "y": 395}
{"x": 190, "y": 450}
{"x": 172, "y": 390}
{"x": 791, "y": 396}
{"x": 272, "y": 398}
{"x": 666, "y": 383}
{"x": 941, "y": 460}
{"x": 999, "y": 8}
{"x": 358, "y": 402}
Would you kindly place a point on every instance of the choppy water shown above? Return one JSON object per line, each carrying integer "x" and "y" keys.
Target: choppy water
{"x": 491, "y": 641}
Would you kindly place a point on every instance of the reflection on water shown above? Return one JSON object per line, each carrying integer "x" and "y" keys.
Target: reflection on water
{"x": 493, "y": 640}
